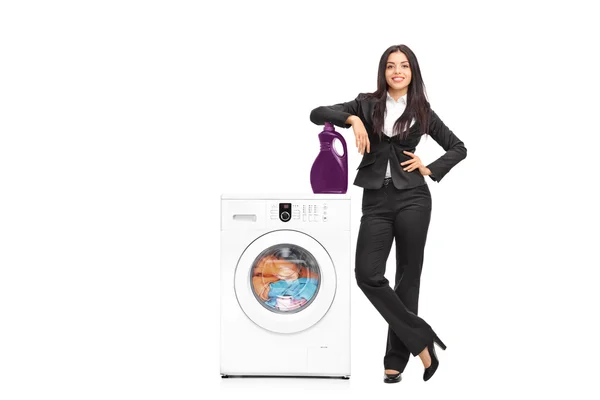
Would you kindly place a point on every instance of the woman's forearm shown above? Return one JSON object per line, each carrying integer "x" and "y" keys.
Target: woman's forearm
{"x": 350, "y": 120}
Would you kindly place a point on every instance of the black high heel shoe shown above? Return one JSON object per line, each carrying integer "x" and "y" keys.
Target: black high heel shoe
{"x": 429, "y": 371}
{"x": 392, "y": 378}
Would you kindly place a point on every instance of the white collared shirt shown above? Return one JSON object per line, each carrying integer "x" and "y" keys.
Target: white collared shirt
{"x": 393, "y": 111}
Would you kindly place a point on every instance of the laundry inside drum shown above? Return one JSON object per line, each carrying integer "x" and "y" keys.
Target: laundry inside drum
{"x": 285, "y": 278}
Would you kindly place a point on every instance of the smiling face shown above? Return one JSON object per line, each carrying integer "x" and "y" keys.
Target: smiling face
{"x": 397, "y": 73}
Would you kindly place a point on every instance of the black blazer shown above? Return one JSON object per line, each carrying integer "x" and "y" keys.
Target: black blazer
{"x": 371, "y": 169}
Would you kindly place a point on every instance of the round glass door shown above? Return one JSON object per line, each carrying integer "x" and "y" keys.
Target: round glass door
{"x": 285, "y": 281}
{"x": 285, "y": 278}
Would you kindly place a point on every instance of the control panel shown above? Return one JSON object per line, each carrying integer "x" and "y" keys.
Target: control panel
{"x": 281, "y": 212}
{"x": 301, "y": 211}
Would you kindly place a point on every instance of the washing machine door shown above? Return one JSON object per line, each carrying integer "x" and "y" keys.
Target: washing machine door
{"x": 285, "y": 281}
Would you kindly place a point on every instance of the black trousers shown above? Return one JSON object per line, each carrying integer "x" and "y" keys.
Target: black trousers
{"x": 402, "y": 215}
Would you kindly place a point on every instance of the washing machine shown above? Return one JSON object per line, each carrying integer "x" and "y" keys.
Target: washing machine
{"x": 285, "y": 285}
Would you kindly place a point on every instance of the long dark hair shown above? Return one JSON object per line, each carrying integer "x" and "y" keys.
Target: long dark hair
{"x": 417, "y": 106}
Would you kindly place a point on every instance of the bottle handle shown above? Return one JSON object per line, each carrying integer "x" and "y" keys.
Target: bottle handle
{"x": 341, "y": 139}
{"x": 329, "y": 128}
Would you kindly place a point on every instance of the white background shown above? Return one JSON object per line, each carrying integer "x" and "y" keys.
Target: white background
{"x": 122, "y": 123}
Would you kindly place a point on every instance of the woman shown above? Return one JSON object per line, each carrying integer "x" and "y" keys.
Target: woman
{"x": 396, "y": 204}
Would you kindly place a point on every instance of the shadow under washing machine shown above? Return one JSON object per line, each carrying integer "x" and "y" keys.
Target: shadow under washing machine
{"x": 285, "y": 285}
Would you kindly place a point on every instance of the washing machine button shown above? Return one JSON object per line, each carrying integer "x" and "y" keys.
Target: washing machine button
{"x": 285, "y": 216}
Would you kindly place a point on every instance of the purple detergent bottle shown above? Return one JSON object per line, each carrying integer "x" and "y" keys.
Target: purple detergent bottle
{"x": 329, "y": 173}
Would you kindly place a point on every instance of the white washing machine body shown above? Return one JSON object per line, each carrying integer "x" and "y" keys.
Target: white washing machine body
{"x": 298, "y": 324}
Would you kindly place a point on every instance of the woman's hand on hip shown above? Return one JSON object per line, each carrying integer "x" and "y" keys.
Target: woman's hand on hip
{"x": 360, "y": 134}
{"x": 415, "y": 163}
